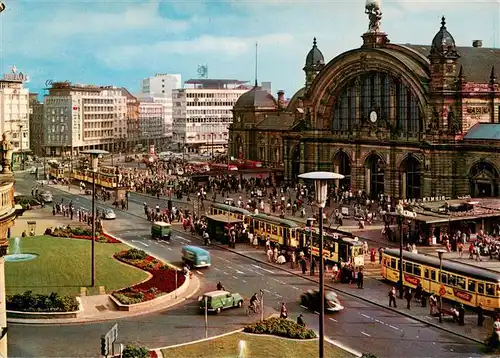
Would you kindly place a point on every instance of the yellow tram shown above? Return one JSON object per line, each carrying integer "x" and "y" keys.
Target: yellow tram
{"x": 462, "y": 283}
{"x": 108, "y": 181}
{"x": 58, "y": 173}
{"x": 336, "y": 247}
{"x": 281, "y": 231}
{"x": 232, "y": 211}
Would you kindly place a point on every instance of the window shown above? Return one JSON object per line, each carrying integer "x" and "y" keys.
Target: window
{"x": 381, "y": 92}
{"x": 444, "y": 278}
{"x": 452, "y": 280}
{"x": 480, "y": 288}
{"x": 490, "y": 289}
{"x": 472, "y": 286}
{"x": 408, "y": 267}
{"x": 426, "y": 273}
{"x": 460, "y": 282}
{"x": 393, "y": 263}
{"x": 417, "y": 270}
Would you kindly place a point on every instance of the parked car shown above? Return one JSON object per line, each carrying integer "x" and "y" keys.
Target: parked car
{"x": 45, "y": 196}
{"x": 109, "y": 214}
{"x": 219, "y": 300}
{"x": 311, "y": 300}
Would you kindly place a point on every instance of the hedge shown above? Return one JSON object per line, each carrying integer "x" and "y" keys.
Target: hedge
{"x": 30, "y": 302}
{"x": 281, "y": 327}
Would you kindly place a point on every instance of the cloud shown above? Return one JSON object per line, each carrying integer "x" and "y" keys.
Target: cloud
{"x": 206, "y": 46}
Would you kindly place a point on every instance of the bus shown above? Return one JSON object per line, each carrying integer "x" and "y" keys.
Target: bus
{"x": 337, "y": 248}
{"x": 223, "y": 167}
{"x": 456, "y": 281}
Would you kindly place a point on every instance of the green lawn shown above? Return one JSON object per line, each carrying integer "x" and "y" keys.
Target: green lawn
{"x": 63, "y": 266}
{"x": 256, "y": 346}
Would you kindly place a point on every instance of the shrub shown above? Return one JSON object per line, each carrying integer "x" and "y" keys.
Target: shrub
{"x": 368, "y": 355}
{"x": 280, "y": 327}
{"x": 128, "y": 299}
{"x": 30, "y": 302}
{"x": 134, "y": 254}
{"x": 132, "y": 351}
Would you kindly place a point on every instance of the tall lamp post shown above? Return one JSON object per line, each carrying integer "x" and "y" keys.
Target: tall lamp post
{"x": 321, "y": 190}
{"x": 440, "y": 253}
{"x": 95, "y": 154}
{"x": 401, "y": 215}
{"x": 21, "y": 161}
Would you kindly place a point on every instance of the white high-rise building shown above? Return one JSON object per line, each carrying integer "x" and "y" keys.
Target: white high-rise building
{"x": 79, "y": 117}
{"x": 15, "y": 110}
{"x": 202, "y": 113}
{"x": 159, "y": 89}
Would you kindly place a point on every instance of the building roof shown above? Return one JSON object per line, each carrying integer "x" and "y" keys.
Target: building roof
{"x": 293, "y": 104}
{"x": 314, "y": 57}
{"x": 476, "y": 61}
{"x": 256, "y": 98}
{"x": 276, "y": 122}
{"x": 443, "y": 43}
{"x": 209, "y": 83}
{"x": 486, "y": 131}
{"x": 127, "y": 93}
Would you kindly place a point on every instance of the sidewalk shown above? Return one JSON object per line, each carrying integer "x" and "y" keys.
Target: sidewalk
{"x": 376, "y": 291}
{"x": 100, "y": 308}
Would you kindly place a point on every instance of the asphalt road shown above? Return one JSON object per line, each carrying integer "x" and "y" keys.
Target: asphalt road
{"x": 362, "y": 326}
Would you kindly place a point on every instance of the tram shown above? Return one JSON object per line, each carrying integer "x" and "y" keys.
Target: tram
{"x": 281, "y": 231}
{"x": 232, "y": 211}
{"x": 58, "y": 173}
{"x": 459, "y": 282}
{"x": 108, "y": 181}
{"x": 337, "y": 248}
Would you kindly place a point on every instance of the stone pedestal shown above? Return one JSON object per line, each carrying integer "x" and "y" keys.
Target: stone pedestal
{"x": 374, "y": 39}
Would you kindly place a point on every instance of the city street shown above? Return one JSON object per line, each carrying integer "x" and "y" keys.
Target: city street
{"x": 362, "y": 326}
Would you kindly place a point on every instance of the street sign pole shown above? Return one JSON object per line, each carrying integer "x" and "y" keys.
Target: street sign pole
{"x": 206, "y": 317}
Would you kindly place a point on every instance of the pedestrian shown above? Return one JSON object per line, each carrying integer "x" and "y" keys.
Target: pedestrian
{"x": 313, "y": 266}
{"x": 300, "y": 321}
{"x": 392, "y": 297}
{"x": 480, "y": 315}
{"x": 283, "y": 311}
{"x": 360, "y": 278}
{"x": 408, "y": 297}
{"x": 303, "y": 264}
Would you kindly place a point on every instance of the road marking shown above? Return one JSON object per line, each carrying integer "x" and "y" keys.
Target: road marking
{"x": 225, "y": 273}
{"x": 366, "y": 334}
{"x": 239, "y": 272}
{"x": 235, "y": 277}
{"x": 266, "y": 290}
{"x": 365, "y": 315}
{"x": 263, "y": 269}
{"x": 277, "y": 295}
{"x": 396, "y": 328}
{"x": 333, "y": 319}
{"x": 316, "y": 312}
{"x": 304, "y": 307}
{"x": 199, "y": 273}
{"x": 295, "y": 288}
{"x": 379, "y": 321}
{"x": 243, "y": 281}
{"x": 169, "y": 248}
{"x": 276, "y": 280}
{"x": 216, "y": 269}
{"x": 143, "y": 243}
{"x": 229, "y": 267}
{"x": 133, "y": 240}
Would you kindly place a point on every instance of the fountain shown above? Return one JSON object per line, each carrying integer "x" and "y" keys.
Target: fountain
{"x": 17, "y": 256}
{"x": 242, "y": 347}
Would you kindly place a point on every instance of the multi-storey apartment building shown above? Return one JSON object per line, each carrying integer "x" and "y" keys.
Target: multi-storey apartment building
{"x": 36, "y": 125}
{"x": 150, "y": 122}
{"x": 133, "y": 130}
{"x": 202, "y": 113}
{"x": 79, "y": 117}
{"x": 15, "y": 111}
{"x": 159, "y": 89}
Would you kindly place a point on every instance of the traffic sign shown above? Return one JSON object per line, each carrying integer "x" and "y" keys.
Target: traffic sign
{"x": 442, "y": 290}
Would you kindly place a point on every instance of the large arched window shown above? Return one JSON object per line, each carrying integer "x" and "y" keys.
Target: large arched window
{"x": 393, "y": 100}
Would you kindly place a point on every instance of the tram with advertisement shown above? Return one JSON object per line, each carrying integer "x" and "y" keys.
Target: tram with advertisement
{"x": 455, "y": 281}
{"x": 105, "y": 180}
{"x": 337, "y": 248}
{"x": 223, "y": 167}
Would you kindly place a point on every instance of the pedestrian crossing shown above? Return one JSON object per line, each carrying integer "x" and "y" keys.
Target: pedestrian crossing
{"x": 373, "y": 270}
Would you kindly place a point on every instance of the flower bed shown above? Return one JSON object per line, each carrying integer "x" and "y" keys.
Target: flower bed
{"x": 82, "y": 234}
{"x": 281, "y": 327}
{"x": 161, "y": 282}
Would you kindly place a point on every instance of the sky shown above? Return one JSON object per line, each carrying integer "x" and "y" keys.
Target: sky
{"x": 119, "y": 42}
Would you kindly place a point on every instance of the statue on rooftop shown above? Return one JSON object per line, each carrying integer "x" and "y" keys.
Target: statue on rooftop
{"x": 372, "y": 8}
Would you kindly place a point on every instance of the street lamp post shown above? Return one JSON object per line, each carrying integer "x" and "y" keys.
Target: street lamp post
{"x": 95, "y": 154}
{"x": 21, "y": 161}
{"x": 440, "y": 253}
{"x": 402, "y": 214}
{"x": 321, "y": 191}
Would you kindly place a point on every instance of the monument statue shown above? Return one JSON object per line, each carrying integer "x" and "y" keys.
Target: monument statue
{"x": 372, "y": 8}
{"x": 6, "y": 155}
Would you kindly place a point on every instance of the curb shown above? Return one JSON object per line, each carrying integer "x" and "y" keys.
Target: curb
{"x": 344, "y": 347}
{"x": 352, "y": 295}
